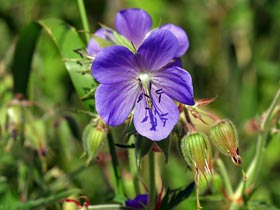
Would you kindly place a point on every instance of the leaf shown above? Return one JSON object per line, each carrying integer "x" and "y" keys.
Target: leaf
{"x": 73, "y": 125}
{"x": 67, "y": 40}
{"x": 261, "y": 205}
{"x": 34, "y": 204}
{"x": 24, "y": 51}
{"x": 164, "y": 146}
{"x": 173, "y": 197}
{"x": 142, "y": 147}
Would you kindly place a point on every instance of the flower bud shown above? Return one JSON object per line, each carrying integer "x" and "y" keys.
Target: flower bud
{"x": 224, "y": 136}
{"x": 196, "y": 151}
{"x": 14, "y": 121}
{"x": 93, "y": 140}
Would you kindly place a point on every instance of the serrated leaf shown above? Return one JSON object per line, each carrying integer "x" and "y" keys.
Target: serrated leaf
{"x": 67, "y": 40}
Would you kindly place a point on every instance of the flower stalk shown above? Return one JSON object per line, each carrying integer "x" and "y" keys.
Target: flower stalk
{"x": 224, "y": 174}
{"x": 84, "y": 19}
{"x": 152, "y": 190}
{"x": 256, "y": 164}
{"x": 115, "y": 164}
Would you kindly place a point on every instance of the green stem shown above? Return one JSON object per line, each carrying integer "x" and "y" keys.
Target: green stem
{"x": 256, "y": 164}
{"x": 152, "y": 187}
{"x": 133, "y": 166}
{"x": 83, "y": 14}
{"x": 116, "y": 167}
{"x": 225, "y": 177}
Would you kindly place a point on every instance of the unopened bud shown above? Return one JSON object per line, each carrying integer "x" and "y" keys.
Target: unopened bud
{"x": 196, "y": 150}
{"x": 93, "y": 140}
{"x": 14, "y": 121}
{"x": 224, "y": 136}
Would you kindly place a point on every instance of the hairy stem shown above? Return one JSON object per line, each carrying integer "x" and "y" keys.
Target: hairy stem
{"x": 256, "y": 164}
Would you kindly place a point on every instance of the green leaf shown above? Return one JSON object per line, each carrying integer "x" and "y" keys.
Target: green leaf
{"x": 45, "y": 201}
{"x": 24, "y": 51}
{"x": 142, "y": 147}
{"x": 173, "y": 197}
{"x": 164, "y": 146}
{"x": 73, "y": 125}
{"x": 261, "y": 205}
{"x": 67, "y": 40}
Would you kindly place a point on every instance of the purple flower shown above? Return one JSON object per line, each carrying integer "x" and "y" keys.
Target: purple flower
{"x": 138, "y": 202}
{"x": 93, "y": 46}
{"x": 136, "y": 25}
{"x": 147, "y": 81}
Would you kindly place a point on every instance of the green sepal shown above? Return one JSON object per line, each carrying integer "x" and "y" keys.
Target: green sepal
{"x": 121, "y": 40}
{"x": 174, "y": 197}
{"x": 102, "y": 42}
{"x": 142, "y": 148}
{"x": 120, "y": 199}
{"x": 85, "y": 135}
{"x": 164, "y": 146}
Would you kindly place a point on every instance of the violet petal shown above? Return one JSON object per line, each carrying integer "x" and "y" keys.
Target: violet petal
{"x": 182, "y": 38}
{"x": 134, "y": 24}
{"x": 176, "y": 83}
{"x": 115, "y": 102}
{"x": 114, "y": 64}
{"x": 158, "y": 122}
{"x": 157, "y": 50}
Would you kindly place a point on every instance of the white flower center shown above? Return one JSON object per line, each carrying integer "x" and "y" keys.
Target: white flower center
{"x": 145, "y": 78}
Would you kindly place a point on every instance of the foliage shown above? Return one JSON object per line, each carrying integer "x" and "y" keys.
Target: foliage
{"x": 234, "y": 55}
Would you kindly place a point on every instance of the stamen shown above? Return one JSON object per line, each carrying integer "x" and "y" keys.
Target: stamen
{"x": 152, "y": 111}
{"x": 140, "y": 98}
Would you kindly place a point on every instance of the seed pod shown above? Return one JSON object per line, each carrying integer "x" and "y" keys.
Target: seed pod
{"x": 196, "y": 150}
{"x": 224, "y": 136}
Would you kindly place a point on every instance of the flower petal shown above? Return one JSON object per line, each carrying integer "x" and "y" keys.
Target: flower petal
{"x": 114, "y": 64}
{"x": 174, "y": 62}
{"x": 176, "y": 83}
{"x": 114, "y": 102}
{"x": 183, "y": 40}
{"x": 138, "y": 202}
{"x": 134, "y": 24}
{"x": 155, "y": 123}
{"x": 93, "y": 47}
{"x": 157, "y": 50}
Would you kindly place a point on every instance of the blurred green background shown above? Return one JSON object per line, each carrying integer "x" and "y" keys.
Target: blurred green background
{"x": 234, "y": 55}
